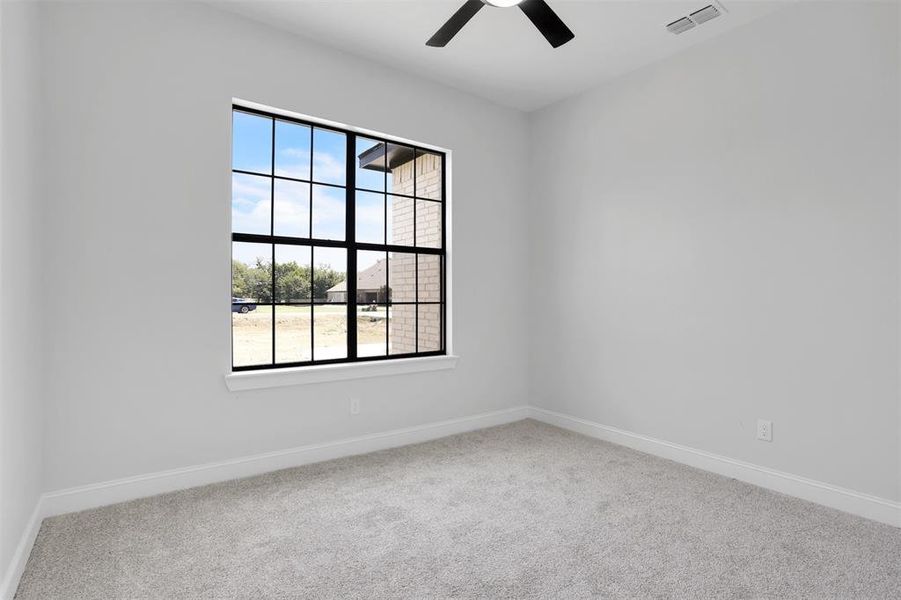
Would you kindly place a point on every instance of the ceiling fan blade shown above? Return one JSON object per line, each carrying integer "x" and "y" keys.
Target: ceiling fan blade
{"x": 455, "y": 23}
{"x": 547, "y": 22}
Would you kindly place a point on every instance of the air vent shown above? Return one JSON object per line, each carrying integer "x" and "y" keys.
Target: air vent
{"x": 698, "y": 17}
{"x": 680, "y": 26}
{"x": 704, "y": 15}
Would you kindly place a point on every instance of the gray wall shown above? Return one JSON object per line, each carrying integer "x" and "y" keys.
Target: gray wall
{"x": 716, "y": 240}
{"x": 138, "y": 125}
{"x": 20, "y": 314}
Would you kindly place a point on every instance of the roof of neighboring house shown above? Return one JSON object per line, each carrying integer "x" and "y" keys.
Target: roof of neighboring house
{"x": 371, "y": 279}
{"x": 374, "y": 158}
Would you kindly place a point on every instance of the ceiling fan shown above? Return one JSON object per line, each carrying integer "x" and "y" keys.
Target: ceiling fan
{"x": 541, "y": 15}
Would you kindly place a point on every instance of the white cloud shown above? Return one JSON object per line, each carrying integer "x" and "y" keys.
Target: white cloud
{"x": 328, "y": 212}
{"x": 336, "y": 258}
{"x": 292, "y": 208}
{"x": 295, "y": 162}
{"x": 328, "y": 169}
{"x": 370, "y": 216}
{"x": 250, "y": 204}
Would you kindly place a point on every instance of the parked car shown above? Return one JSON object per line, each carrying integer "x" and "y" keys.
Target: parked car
{"x": 242, "y": 305}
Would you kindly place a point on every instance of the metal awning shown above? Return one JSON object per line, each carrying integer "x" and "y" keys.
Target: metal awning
{"x": 373, "y": 159}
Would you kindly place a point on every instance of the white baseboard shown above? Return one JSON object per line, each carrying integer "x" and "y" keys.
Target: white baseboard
{"x": 864, "y": 505}
{"x": 151, "y": 484}
{"x": 130, "y": 488}
{"x": 20, "y": 556}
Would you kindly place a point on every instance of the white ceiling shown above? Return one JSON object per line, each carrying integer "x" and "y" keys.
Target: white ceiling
{"x": 499, "y": 55}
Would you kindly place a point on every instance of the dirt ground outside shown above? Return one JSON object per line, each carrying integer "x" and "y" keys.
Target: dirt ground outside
{"x": 252, "y": 334}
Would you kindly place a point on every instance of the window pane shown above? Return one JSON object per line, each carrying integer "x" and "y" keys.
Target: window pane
{"x": 329, "y": 331}
{"x": 428, "y": 224}
{"x": 372, "y": 277}
{"x": 428, "y": 175}
{"x": 400, "y": 221}
{"x": 370, "y": 217}
{"x": 429, "y": 278}
{"x": 292, "y": 150}
{"x": 328, "y": 213}
{"x": 252, "y": 337}
{"x": 292, "y": 208}
{"x": 370, "y": 164}
{"x": 292, "y": 273}
{"x": 329, "y": 156}
{"x": 293, "y": 334}
{"x": 400, "y": 169}
{"x": 329, "y": 274}
{"x": 251, "y": 273}
{"x": 251, "y": 209}
{"x": 372, "y": 330}
{"x": 402, "y": 276}
{"x": 402, "y": 329}
{"x": 429, "y": 327}
{"x": 251, "y": 143}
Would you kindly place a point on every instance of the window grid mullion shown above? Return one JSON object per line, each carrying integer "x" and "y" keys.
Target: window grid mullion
{"x": 350, "y": 235}
{"x": 272, "y": 230}
{"x": 415, "y": 267}
{"x": 312, "y": 262}
{"x": 443, "y": 295}
{"x": 387, "y": 253}
{"x": 256, "y": 238}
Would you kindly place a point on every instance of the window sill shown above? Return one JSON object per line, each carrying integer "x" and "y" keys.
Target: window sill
{"x": 254, "y": 380}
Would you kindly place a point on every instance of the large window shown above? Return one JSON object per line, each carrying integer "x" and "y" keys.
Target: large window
{"x": 338, "y": 245}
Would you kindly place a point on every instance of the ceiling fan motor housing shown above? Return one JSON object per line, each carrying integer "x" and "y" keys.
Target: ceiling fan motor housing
{"x": 502, "y": 3}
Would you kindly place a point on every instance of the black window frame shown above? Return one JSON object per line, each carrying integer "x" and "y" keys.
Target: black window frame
{"x": 349, "y": 244}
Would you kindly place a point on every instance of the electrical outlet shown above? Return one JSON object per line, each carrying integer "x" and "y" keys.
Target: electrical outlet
{"x": 764, "y": 430}
{"x": 354, "y": 406}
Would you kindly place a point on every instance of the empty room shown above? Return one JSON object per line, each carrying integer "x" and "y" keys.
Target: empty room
{"x": 413, "y": 299}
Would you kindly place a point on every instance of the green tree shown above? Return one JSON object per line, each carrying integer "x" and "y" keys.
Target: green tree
{"x": 324, "y": 278}
{"x": 252, "y": 281}
{"x": 293, "y": 282}
{"x": 239, "y": 279}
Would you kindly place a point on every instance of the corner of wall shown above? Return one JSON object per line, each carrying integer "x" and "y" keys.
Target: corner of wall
{"x": 21, "y": 339}
{"x": 898, "y": 30}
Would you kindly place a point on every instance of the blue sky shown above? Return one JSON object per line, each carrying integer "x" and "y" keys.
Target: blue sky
{"x": 251, "y": 195}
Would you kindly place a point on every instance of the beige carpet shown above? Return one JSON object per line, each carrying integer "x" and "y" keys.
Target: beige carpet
{"x": 519, "y": 511}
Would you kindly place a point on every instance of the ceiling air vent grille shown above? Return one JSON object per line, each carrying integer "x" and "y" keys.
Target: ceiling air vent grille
{"x": 704, "y": 15}
{"x": 683, "y": 24}
{"x": 696, "y": 18}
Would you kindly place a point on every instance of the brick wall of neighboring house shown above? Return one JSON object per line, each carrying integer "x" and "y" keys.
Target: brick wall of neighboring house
{"x": 402, "y": 266}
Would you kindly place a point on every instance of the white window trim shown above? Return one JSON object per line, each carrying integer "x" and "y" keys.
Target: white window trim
{"x": 269, "y": 378}
{"x": 237, "y": 381}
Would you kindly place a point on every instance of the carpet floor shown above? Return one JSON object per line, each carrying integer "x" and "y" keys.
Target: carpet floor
{"x": 524, "y": 510}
